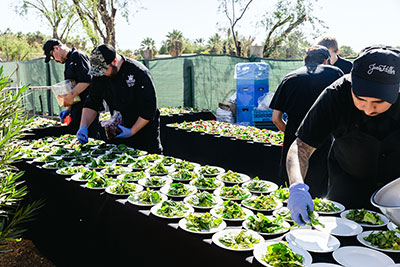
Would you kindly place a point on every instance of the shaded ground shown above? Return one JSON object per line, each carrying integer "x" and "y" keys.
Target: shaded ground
{"x": 23, "y": 254}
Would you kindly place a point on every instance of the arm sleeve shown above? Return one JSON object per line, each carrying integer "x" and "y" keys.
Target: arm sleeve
{"x": 83, "y": 66}
{"x": 148, "y": 99}
{"x": 94, "y": 99}
{"x": 322, "y": 118}
{"x": 279, "y": 100}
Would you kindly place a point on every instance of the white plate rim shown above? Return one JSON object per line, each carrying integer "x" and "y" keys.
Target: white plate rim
{"x": 154, "y": 209}
{"x": 270, "y": 189}
{"x": 285, "y": 224}
{"x": 182, "y": 225}
{"x": 339, "y": 205}
{"x": 214, "y": 213}
{"x": 163, "y": 198}
{"x": 279, "y": 204}
{"x": 337, "y": 254}
{"x": 219, "y": 189}
{"x": 383, "y": 218}
{"x": 166, "y": 187}
{"x": 335, "y": 246}
{"x": 217, "y": 199}
{"x": 358, "y": 230}
{"x": 235, "y": 231}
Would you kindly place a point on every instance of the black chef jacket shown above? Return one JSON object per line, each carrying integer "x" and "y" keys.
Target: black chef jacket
{"x": 343, "y": 64}
{"x": 294, "y": 96}
{"x": 131, "y": 92}
{"x": 77, "y": 68}
{"x": 366, "y": 151}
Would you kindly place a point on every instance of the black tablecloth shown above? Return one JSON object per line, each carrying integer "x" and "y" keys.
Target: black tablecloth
{"x": 84, "y": 227}
{"x": 254, "y": 159}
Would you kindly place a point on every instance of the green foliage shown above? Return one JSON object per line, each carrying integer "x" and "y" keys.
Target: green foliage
{"x": 347, "y": 51}
{"x": 18, "y": 46}
{"x": 13, "y": 122}
{"x": 289, "y": 17}
{"x": 293, "y": 47}
{"x": 175, "y": 43}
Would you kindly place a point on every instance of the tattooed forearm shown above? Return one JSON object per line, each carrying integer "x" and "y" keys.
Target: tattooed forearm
{"x": 297, "y": 160}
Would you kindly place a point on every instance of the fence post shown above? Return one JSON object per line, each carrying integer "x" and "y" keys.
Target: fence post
{"x": 48, "y": 92}
{"x": 188, "y": 90}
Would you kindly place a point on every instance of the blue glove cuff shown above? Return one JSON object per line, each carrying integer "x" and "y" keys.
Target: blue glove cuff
{"x": 298, "y": 186}
{"x": 83, "y": 127}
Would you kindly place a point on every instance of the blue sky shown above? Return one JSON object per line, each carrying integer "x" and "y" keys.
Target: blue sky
{"x": 357, "y": 23}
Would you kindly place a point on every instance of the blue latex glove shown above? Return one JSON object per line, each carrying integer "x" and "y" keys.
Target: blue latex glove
{"x": 82, "y": 135}
{"x": 64, "y": 114}
{"x": 299, "y": 202}
{"x": 126, "y": 132}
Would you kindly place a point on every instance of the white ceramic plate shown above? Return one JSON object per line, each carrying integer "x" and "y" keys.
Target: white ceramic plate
{"x": 271, "y": 187}
{"x": 216, "y": 236}
{"x": 217, "y": 182}
{"x": 218, "y": 191}
{"x": 279, "y": 204}
{"x": 217, "y": 199}
{"x": 261, "y": 249}
{"x": 354, "y": 256}
{"x": 143, "y": 181}
{"x": 220, "y": 170}
{"x": 392, "y": 226}
{"x": 154, "y": 209}
{"x": 337, "y": 204}
{"x": 383, "y": 218}
{"x": 360, "y": 238}
{"x": 183, "y": 221}
{"x": 138, "y": 203}
{"x": 284, "y": 224}
{"x": 165, "y": 189}
{"x": 214, "y": 213}
{"x": 275, "y": 213}
{"x": 338, "y": 226}
{"x": 139, "y": 188}
{"x": 77, "y": 178}
{"x": 313, "y": 240}
{"x": 244, "y": 178}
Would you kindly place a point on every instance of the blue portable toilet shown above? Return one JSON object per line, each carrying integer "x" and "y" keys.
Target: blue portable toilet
{"x": 252, "y": 82}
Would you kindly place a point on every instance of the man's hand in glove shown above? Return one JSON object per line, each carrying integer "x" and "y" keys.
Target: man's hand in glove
{"x": 64, "y": 114}
{"x": 299, "y": 202}
{"x": 82, "y": 135}
{"x": 126, "y": 132}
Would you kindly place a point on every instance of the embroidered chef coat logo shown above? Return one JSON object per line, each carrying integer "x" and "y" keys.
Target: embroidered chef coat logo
{"x": 131, "y": 81}
{"x": 381, "y": 68}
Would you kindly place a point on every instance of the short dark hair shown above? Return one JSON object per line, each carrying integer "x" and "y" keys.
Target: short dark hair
{"x": 316, "y": 54}
{"x": 329, "y": 42}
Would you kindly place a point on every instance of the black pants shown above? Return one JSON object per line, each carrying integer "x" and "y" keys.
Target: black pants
{"x": 76, "y": 114}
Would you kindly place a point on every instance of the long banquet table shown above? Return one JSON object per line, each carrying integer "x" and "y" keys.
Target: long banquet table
{"x": 84, "y": 227}
{"x": 251, "y": 158}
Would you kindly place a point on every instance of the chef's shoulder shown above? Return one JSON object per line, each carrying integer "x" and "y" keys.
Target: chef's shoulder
{"x": 136, "y": 66}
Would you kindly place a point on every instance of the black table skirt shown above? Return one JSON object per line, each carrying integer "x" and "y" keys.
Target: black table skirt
{"x": 254, "y": 159}
{"x": 83, "y": 227}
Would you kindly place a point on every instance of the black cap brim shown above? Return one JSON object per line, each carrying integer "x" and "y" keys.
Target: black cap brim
{"x": 366, "y": 88}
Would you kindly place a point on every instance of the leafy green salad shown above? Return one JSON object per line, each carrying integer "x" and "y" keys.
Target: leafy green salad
{"x": 232, "y": 177}
{"x": 242, "y": 240}
{"x": 282, "y": 193}
{"x": 183, "y": 164}
{"x": 202, "y": 199}
{"x": 231, "y": 210}
{"x": 198, "y": 222}
{"x": 183, "y": 174}
{"x": 122, "y": 187}
{"x": 133, "y": 176}
{"x": 179, "y": 189}
{"x": 209, "y": 171}
{"x": 364, "y": 216}
{"x": 149, "y": 197}
{"x": 206, "y": 183}
{"x": 280, "y": 255}
{"x": 262, "y": 202}
{"x": 170, "y": 208}
{"x": 234, "y": 192}
{"x": 263, "y": 224}
{"x": 324, "y": 205}
{"x": 158, "y": 169}
{"x": 384, "y": 239}
{"x": 257, "y": 185}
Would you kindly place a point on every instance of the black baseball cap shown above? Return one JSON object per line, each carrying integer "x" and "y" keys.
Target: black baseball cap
{"x": 376, "y": 73}
{"x": 100, "y": 58}
{"x": 49, "y": 46}
{"x": 318, "y": 50}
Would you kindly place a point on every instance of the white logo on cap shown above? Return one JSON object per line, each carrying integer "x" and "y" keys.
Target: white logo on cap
{"x": 381, "y": 68}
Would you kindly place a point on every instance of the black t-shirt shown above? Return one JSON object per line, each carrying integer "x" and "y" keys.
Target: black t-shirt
{"x": 298, "y": 91}
{"x": 131, "y": 92}
{"x": 343, "y": 64}
{"x": 77, "y": 68}
{"x": 334, "y": 113}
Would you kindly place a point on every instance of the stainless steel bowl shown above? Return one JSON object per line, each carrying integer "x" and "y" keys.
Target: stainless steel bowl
{"x": 387, "y": 199}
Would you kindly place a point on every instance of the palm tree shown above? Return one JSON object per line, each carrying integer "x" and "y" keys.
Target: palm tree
{"x": 175, "y": 43}
{"x": 215, "y": 44}
{"x": 246, "y": 43}
{"x": 148, "y": 44}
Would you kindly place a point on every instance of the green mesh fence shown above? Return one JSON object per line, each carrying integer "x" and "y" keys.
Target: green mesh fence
{"x": 200, "y": 81}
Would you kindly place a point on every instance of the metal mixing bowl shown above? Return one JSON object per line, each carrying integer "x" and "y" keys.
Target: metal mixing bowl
{"x": 387, "y": 199}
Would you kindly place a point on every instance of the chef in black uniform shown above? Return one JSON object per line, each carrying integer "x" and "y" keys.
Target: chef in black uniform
{"x": 362, "y": 112}
{"x": 336, "y": 60}
{"x": 126, "y": 86}
{"x": 294, "y": 96}
{"x": 77, "y": 67}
